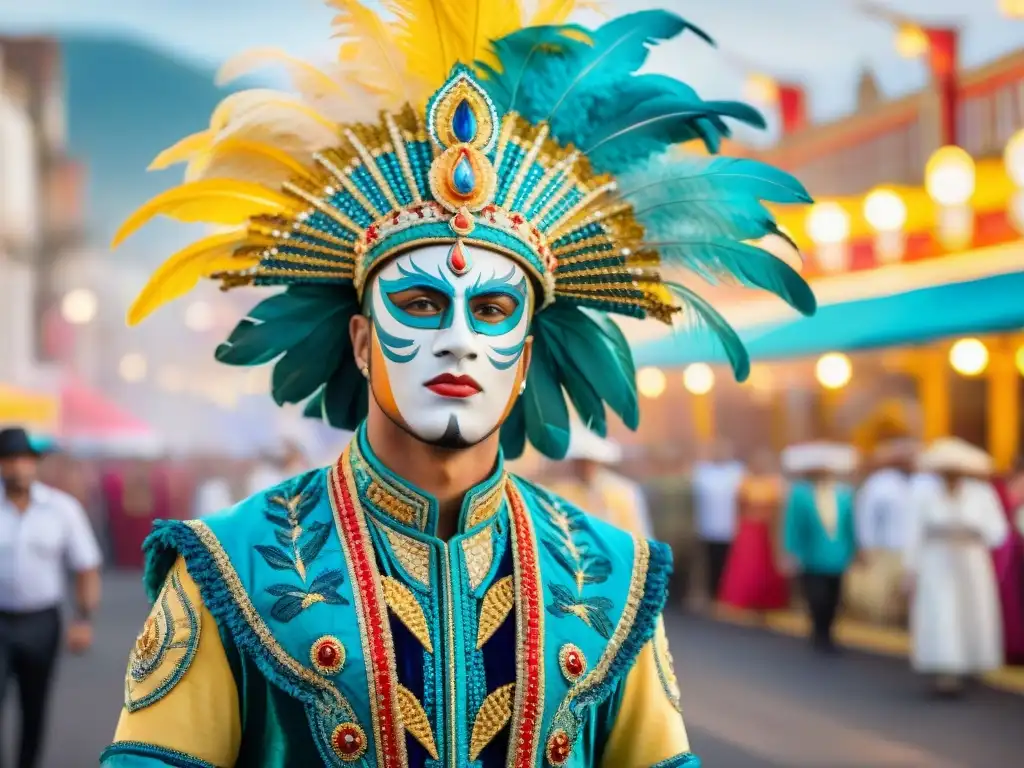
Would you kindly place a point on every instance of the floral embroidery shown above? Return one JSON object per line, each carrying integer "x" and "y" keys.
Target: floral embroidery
{"x": 298, "y": 547}
{"x": 585, "y": 567}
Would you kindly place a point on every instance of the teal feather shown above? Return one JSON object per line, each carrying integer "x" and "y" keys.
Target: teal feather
{"x": 547, "y": 417}
{"x": 575, "y": 338}
{"x": 618, "y": 342}
{"x": 345, "y": 396}
{"x": 519, "y": 52}
{"x": 307, "y": 365}
{"x": 513, "y": 432}
{"x": 701, "y": 315}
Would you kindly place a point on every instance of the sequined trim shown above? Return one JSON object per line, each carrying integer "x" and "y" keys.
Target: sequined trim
{"x": 164, "y": 649}
{"x": 378, "y": 650}
{"x": 415, "y": 720}
{"x": 685, "y": 760}
{"x": 666, "y": 670}
{"x": 171, "y": 757}
{"x": 479, "y": 552}
{"x": 380, "y": 496}
{"x": 494, "y": 609}
{"x": 528, "y": 709}
{"x": 413, "y": 556}
{"x": 492, "y": 716}
{"x": 252, "y": 617}
{"x": 406, "y": 607}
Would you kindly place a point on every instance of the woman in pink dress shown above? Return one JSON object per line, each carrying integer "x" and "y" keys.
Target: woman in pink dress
{"x": 1009, "y": 565}
{"x": 752, "y": 579}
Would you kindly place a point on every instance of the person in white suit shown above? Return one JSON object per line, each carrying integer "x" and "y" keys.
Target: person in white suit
{"x": 956, "y": 521}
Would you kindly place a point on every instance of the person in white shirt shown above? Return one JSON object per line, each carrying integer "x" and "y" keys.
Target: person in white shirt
{"x": 716, "y": 486}
{"x": 42, "y": 530}
{"x": 882, "y": 510}
{"x": 271, "y": 471}
{"x": 957, "y": 519}
{"x": 597, "y": 490}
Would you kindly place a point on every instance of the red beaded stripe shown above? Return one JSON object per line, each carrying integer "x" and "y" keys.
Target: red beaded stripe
{"x": 391, "y": 736}
{"x": 529, "y": 654}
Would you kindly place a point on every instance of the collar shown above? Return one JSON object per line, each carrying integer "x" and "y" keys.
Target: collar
{"x": 402, "y": 503}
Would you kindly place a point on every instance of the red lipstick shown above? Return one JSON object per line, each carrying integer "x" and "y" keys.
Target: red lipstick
{"x": 450, "y": 385}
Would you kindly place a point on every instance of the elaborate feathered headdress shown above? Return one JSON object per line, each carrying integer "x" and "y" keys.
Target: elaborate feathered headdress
{"x": 540, "y": 142}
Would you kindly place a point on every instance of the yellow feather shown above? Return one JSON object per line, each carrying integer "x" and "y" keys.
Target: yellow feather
{"x": 215, "y": 201}
{"x": 182, "y": 151}
{"x": 246, "y": 160}
{"x": 182, "y": 271}
{"x": 368, "y": 52}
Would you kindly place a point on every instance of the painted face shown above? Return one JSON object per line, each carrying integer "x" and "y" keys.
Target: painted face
{"x": 450, "y": 326}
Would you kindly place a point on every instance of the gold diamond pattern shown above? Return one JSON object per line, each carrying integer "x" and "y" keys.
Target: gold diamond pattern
{"x": 479, "y": 552}
{"x": 494, "y": 609}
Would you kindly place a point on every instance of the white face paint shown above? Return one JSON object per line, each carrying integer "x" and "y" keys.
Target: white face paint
{"x": 450, "y": 327}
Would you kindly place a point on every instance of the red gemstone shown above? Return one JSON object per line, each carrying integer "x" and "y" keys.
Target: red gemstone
{"x": 327, "y": 655}
{"x": 461, "y": 222}
{"x": 574, "y": 664}
{"x": 348, "y": 739}
{"x": 457, "y": 259}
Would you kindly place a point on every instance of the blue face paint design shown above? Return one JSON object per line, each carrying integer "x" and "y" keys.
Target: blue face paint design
{"x": 390, "y": 344}
{"x": 417, "y": 277}
{"x": 516, "y": 352}
{"x": 497, "y": 286}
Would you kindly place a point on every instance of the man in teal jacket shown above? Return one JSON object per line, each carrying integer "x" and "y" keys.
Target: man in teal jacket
{"x": 820, "y": 528}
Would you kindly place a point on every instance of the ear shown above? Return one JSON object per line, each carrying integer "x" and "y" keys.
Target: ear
{"x": 360, "y": 330}
{"x": 527, "y": 356}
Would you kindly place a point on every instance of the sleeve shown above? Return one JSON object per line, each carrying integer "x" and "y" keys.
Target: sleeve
{"x": 648, "y": 728}
{"x": 917, "y": 511}
{"x": 792, "y": 538}
{"x": 992, "y": 523}
{"x": 863, "y": 510}
{"x": 82, "y": 550}
{"x": 181, "y": 701}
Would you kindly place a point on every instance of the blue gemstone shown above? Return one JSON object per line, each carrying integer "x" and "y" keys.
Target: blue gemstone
{"x": 464, "y": 122}
{"x": 463, "y": 177}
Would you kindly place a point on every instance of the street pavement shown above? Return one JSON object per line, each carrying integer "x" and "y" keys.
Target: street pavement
{"x": 751, "y": 700}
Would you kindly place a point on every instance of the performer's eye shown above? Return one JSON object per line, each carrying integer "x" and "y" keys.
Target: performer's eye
{"x": 420, "y": 302}
{"x": 493, "y": 308}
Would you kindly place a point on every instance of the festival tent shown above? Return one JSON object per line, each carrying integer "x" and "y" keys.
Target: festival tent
{"x": 35, "y": 411}
{"x": 91, "y": 423}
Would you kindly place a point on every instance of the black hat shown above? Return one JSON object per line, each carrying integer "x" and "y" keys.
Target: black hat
{"x": 16, "y": 442}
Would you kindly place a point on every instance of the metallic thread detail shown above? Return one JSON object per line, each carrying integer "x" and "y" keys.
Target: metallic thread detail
{"x": 403, "y": 158}
{"x": 371, "y": 167}
{"x": 479, "y": 552}
{"x": 371, "y": 613}
{"x": 572, "y": 662}
{"x": 528, "y": 709}
{"x": 348, "y": 741}
{"x": 484, "y": 507}
{"x": 531, "y": 156}
{"x": 162, "y": 755}
{"x": 324, "y": 207}
{"x": 413, "y": 556}
{"x": 494, "y": 609}
{"x": 380, "y": 497}
{"x": 327, "y": 655}
{"x": 493, "y": 715}
{"x": 415, "y": 720}
{"x": 255, "y": 621}
{"x": 406, "y": 607}
{"x": 164, "y": 649}
{"x": 666, "y": 669}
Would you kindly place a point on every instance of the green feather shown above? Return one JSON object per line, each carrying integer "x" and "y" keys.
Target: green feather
{"x": 547, "y": 418}
{"x": 513, "y": 432}
{"x": 311, "y": 362}
{"x": 345, "y": 396}
{"x": 702, "y": 314}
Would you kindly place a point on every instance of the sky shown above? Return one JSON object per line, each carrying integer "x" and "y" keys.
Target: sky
{"x": 822, "y": 43}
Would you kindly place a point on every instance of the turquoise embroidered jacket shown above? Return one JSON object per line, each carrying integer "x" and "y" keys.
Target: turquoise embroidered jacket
{"x": 817, "y": 547}
{"x": 356, "y": 637}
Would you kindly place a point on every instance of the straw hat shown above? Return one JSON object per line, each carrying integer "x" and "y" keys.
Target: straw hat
{"x": 820, "y": 456}
{"x": 951, "y": 454}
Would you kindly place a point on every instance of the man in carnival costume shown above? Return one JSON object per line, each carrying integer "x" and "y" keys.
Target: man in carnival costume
{"x": 447, "y": 269}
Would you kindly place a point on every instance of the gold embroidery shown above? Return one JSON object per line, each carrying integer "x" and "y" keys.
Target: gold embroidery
{"x": 487, "y": 505}
{"x": 666, "y": 669}
{"x": 572, "y": 661}
{"x": 164, "y": 649}
{"x": 404, "y": 605}
{"x": 383, "y": 499}
{"x": 414, "y": 556}
{"x": 494, "y": 715}
{"x": 415, "y": 720}
{"x": 348, "y": 741}
{"x": 494, "y": 609}
{"x": 327, "y": 655}
{"x": 255, "y": 621}
{"x": 479, "y": 552}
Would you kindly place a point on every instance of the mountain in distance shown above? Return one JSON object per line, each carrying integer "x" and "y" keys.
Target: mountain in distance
{"x": 125, "y": 102}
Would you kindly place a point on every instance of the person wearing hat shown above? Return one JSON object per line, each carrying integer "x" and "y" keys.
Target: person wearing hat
{"x": 957, "y": 519}
{"x": 883, "y": 513}
{"x": 41, "y": 528}
{"x": 592, "y": 486}
{"x": 819, "y": 531}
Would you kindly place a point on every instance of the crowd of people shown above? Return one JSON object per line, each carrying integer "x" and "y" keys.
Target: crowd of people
{"x": 922, "y": 537}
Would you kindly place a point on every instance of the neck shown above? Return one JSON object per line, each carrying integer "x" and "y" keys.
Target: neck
{"x": 19, "y": 497}
{"x": 445, "y": 473}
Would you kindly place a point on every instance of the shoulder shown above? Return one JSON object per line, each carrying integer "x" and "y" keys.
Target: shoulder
{"x": 229, "y": 536}
{"x": 57, "y": 500}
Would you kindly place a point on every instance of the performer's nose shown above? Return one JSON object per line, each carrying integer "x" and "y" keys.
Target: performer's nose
{"x": 457, "y": 340}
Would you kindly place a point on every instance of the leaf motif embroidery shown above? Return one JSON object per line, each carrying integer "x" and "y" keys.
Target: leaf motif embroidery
{"x": 275, "y": 558}
{"x": 592, "y": 611}
{"x": 415, "y": 720}
{"x": 494, "y": 609}
{"x": 404, "y": 605}
{"x": 319, "y": 534}
{"x": 494, "y": 715}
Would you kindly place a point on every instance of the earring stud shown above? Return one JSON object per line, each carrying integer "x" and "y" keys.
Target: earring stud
{"x": 366, "y": 371}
